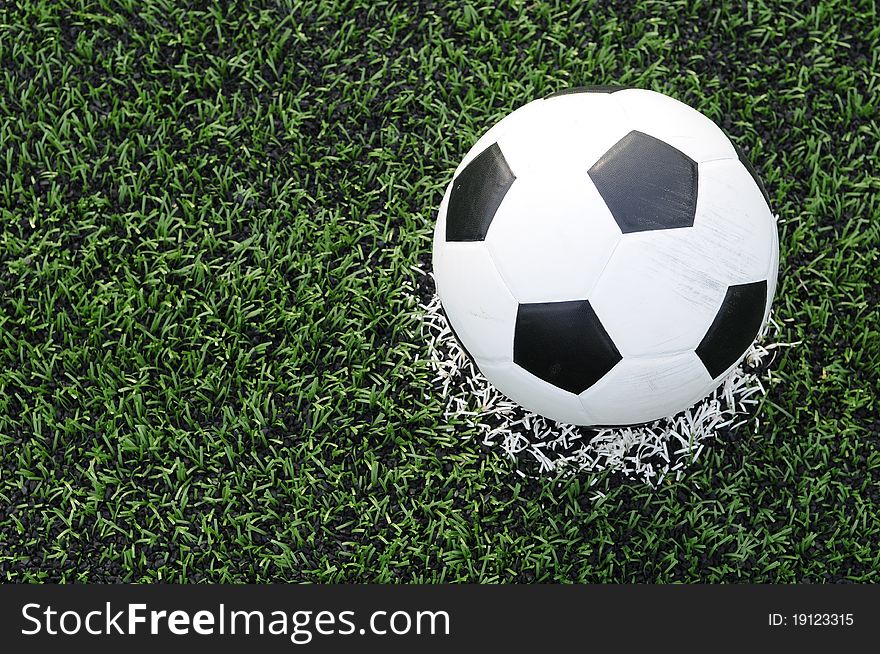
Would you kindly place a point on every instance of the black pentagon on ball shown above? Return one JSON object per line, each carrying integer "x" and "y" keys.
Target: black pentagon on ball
{"x": 647, "y": 184}
{"x": 735, "y": 327}
{"x": 476, "y": 195}
{"x": 602, "y": 88}
{"x": 563, "y": 343}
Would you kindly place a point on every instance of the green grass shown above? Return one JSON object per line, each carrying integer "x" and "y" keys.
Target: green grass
{"x": 210, "y": 361}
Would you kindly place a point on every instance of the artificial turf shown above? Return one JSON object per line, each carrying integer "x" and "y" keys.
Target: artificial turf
{"x": 212, "y": 221}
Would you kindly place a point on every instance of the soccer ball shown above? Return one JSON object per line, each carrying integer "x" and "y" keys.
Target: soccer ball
{"x": 606, "y": 256}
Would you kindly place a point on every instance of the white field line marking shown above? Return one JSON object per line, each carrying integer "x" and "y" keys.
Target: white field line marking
{"x": 647, "y": 453}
